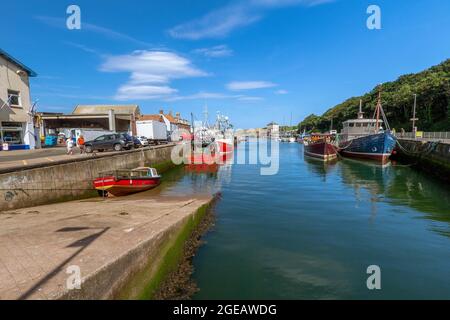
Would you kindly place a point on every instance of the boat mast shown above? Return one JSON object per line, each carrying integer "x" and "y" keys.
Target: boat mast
{"x": 378, "y": 111}
{"x": 205, "y": 114}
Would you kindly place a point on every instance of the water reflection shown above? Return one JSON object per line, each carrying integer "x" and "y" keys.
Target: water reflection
{"x": 311, "y": 230}
{"x": 400, "y": 186}
{"x": 423, "y": 193}
{"x": 319, "y": 167}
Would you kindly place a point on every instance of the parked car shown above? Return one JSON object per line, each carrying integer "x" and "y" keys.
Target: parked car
{"x": 143, "y": 140}
{"x": 115, "y": 141}
{"x": 136, "y": 142}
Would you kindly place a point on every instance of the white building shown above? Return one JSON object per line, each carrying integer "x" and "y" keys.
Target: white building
{"x": 16, "y": 119}
{"x": 273, "y": 130}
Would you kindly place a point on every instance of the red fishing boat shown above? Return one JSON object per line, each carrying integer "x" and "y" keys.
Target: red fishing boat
{"x": 320, "y": 147}
{"x": 123, "y": 182}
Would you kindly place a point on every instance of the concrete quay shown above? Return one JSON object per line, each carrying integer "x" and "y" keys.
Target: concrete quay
{"x": 432, "y": 157}
{"x": 70, "y": 177}
{"x": 122, "y": 247}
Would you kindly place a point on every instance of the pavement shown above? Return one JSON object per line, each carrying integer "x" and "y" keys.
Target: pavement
{"x": 21, "y": 159}
{"x": 39, "y": 244}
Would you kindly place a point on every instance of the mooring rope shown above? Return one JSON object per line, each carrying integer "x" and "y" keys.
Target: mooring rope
{"x": 430, "y": 148}
{"x": 343, "y": 148}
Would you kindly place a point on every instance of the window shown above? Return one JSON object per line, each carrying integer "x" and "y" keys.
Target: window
{"x": 101, "y": 138}
{"x": 14, "y": 98}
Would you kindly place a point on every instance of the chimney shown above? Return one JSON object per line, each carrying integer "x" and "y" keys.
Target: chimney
{"x": 161, "y": 111}
{"x": 170, "y": 112}
{"x": 177, "y": 115}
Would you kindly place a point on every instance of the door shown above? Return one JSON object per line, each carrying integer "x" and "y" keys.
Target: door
{"x": 99, "y": 142}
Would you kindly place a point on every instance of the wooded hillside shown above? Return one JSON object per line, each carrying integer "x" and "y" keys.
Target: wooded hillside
{"x": 432, "y": 87}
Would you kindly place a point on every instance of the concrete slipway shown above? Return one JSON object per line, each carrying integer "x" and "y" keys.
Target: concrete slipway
{"x": 122, "y": 246}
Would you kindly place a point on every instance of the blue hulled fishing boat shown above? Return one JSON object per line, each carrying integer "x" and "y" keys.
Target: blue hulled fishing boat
{"x": 376, "y": 147}
{"x": 366, "y": 138}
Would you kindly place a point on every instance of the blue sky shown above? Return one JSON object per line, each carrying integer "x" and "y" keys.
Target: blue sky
{"x": 255, "y": 60}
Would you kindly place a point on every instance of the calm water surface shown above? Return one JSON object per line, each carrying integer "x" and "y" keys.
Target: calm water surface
{"x": 311, "y": 231}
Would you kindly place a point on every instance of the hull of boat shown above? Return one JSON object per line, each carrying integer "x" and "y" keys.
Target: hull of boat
{"x": 321, "y": 150}
{"x": 376, "y": 147}
{"x": 121, "y": 187}
{"x": 209, "y": 159}
{"x": 225, "y": 145}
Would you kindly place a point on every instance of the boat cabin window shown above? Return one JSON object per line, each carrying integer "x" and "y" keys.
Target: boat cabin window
{"x": 358, "y": 124}
{"x": 351, "y": 124}
{"x": 150, "y": 172}
{"x": 153, "y": 172}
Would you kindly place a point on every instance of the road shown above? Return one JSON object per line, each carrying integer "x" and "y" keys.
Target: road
{"x": 19, "y": 155}
{"x": 20, "y": 159}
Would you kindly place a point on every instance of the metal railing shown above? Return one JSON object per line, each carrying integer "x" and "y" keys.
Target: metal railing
{"x": 425, "y": 136}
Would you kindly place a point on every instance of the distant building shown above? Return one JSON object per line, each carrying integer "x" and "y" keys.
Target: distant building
{"x": 273, "y": 130}
{"x": 16, "y": 119}
{"x": 172, "y": 123}
{"x": 118, "y": 118}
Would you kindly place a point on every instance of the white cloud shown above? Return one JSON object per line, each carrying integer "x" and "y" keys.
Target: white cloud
{"x": 215, "y": 52}
{"x": 160, "y": 65}
{"x": 82, "y": 47}
{"x": 61, "y": 23}
{"x": 250, "y": 99}
{"x": 220, "y": 22}
{"x": 143, "y": 92}
{"x": 214, "y": 95}
{"x": 249, "y": 85}
{"x": 217, "y": 23}
{"x": 150, "y": 73}
{"x": 281, "y": 91}
{"x": 202, "y": 96}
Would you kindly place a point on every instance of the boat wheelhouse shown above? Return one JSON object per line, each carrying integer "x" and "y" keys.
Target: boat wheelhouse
{"x": 360, "y": 127}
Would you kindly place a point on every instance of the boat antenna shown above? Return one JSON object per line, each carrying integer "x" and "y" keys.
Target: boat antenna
{"x": 360, "y": 113}
{"x": 205, "y": 113}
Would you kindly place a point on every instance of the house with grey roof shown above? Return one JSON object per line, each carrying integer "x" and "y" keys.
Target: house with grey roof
{"x": 16, "y": 118}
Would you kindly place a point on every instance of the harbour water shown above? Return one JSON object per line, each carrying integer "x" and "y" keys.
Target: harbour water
{"x": 311, "y": 231}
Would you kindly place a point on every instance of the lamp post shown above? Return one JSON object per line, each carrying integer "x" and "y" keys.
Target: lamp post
{"x": 414, "y": 119}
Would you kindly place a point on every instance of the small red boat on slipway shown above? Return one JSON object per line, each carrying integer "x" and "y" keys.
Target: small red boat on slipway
{"x": 320, "y": 147}
{"x": 123, "y": 182}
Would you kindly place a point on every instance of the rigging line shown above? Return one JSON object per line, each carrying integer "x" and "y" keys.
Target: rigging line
{"x": 351, "y": 141}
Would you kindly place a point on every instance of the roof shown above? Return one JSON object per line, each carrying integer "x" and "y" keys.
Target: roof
{"x": 104, "y": 109}
{"x": 363, "y": 121}
{"x": 272, "y": 124}
{"x": 175, "y": 120}
{"x": 154, "y": 117}
{"x": 170, "y": 118}
{"x": 10, "y": 58}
